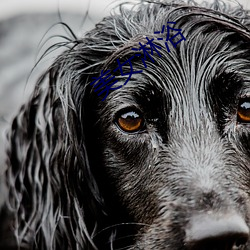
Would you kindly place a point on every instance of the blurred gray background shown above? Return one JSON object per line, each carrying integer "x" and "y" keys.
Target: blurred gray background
{"x": 23, "y": 23}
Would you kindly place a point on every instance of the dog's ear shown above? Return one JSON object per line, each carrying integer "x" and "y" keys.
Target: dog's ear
{"x": 51, "y": 186}
{"x": 53, "y": 196}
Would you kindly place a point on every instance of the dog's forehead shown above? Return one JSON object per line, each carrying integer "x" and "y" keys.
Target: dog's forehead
{"x": 195, "y": 75}
{"x": 215, "y": 45}
{"x": 192, "y": 69}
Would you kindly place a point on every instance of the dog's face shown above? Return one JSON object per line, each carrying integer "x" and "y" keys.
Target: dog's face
{"x": 175, "y": 141}
{"x": 162, "y": 163}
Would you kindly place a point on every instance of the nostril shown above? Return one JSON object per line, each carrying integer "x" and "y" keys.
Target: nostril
{"x": 241, "y": 241}
{"x": 217, "y": 232}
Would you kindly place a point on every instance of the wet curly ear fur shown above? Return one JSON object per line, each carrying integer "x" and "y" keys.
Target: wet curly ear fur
{"x": 54, "y": 199}
{"x": 51, "y": 186}
{"x": 50, "y": 169}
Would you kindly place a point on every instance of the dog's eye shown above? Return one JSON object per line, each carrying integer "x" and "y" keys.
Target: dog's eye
{"x": 130, "y": 121}
{"x": 243, "y": 113}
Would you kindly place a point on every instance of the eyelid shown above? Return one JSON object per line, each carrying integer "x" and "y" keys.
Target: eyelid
{"x": 126, "y": 108}
{"x": 244, "y": 95}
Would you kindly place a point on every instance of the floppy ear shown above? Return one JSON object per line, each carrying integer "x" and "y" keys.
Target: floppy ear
{"x": 51, "y": 186}
{"x": 53, "y": 197}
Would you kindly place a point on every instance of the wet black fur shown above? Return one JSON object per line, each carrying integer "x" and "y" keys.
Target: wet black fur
{"x": 76, "y": 181}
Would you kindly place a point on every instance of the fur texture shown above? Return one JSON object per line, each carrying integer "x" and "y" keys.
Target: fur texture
{"x": 78, "y": 181}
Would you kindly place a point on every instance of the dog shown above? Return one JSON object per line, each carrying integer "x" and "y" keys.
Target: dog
{"x": 162, "y": 163}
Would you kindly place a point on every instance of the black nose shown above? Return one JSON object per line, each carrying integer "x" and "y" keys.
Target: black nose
{"x": 217, "y": 232}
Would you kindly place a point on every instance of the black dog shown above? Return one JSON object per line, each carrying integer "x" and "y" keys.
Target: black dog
{"x": 162, "y": 163}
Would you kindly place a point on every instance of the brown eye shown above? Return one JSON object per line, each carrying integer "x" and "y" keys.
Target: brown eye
{"x": 130, "y": 121}
{"x": 243, "y": 113}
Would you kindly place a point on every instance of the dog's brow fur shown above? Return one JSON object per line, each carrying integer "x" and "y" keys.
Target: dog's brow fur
{"x": 77, "y": 181}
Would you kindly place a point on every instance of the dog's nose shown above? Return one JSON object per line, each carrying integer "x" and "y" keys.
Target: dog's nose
{"x": 217, "y": 232}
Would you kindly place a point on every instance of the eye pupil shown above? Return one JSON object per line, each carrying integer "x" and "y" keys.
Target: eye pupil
{"x": 130, "y": 122}
{"x": 243, "y": 113}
